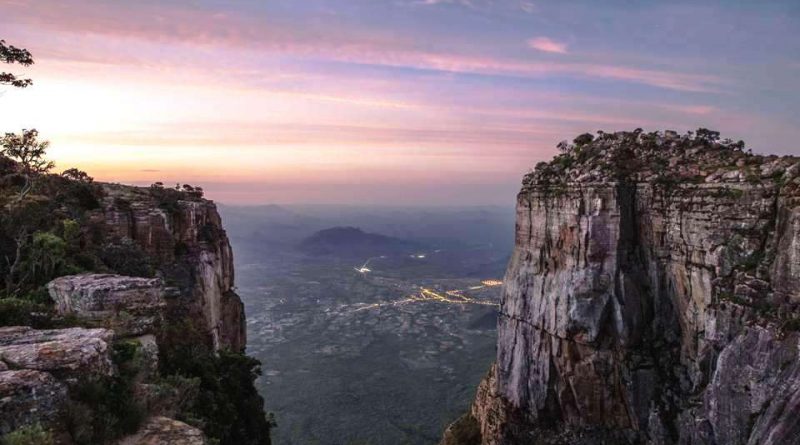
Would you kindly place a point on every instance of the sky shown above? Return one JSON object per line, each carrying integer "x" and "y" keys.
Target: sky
{"x": 390, "y": 102}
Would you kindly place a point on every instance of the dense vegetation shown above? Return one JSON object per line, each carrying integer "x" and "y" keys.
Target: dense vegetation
{"x": 662, "y": 158}
{"x": 227, "y": 407}
{"x": 52, "y": 225}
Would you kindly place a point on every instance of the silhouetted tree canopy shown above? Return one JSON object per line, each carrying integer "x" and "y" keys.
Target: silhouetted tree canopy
{"x": 30, "y": 153}
{"x": 12, "y": 54}
{"x": 75, "y": 174}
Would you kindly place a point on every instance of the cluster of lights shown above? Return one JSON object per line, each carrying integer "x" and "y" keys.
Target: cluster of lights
{"x": 430, "y": 295}
{"x": 455, "y": 296}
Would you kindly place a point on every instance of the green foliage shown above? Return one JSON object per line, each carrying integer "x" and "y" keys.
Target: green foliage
{"x": 103, "y": 408}
{"x": 47, "y": 257}
{"x": 26, "y": 149}
{"x": 227, "y": 407}
{"x": 667, "y": 183}
{"x": 22, "y": 312}
{"x": 167, "y": 199}
{"x": 28, "y": 435}
{"x": 174, "y": 394}
{"x": 72, "y": 231}
{"x": 638, "y": 156}
{"x": 728, "y": 192}
{"x": 76, "y": 196}
{"x": 125, "y": 257}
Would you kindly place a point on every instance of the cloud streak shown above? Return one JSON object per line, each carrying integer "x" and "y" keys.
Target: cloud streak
{"x": 547, "y": 45}
{"x": 382, "y": 92}
{"x": 361, "y": 46}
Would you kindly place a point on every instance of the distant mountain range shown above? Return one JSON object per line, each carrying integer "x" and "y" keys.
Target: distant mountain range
{"x": 352, "y": 241}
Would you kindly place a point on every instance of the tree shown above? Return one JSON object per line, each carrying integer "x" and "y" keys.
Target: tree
{"x": 74, "y": 174}
{"x": 47, "y": 256}
{"x": 12, "y": 54}
{"x": 29, "y": 153}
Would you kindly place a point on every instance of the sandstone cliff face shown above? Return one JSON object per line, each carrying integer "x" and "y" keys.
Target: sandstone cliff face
{"x": 639, "y": 310}
{"x": 187, "y": 241}
{"x": 174, "y": 239}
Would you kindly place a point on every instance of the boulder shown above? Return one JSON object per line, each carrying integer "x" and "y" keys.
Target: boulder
{"x": 162, "y": 430}
{"x": 27, "y": 397}
{"x": 130, "y": 306}
{"x": 64, "y": 352}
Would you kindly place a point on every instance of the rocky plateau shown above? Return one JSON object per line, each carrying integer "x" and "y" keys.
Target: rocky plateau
{"x": 652, "y": 298}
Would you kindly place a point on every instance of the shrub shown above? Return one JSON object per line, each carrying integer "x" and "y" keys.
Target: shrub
{"x": 227, "y": 407}
{"x": 47, "y": 256}
{"x": 28, "y": 435}
{"x": 168, "y": 199}
{"x": 103, "y": 408}
{"x": 126, "y": 258}
{"x": 73, "y": 174}
{"x": 23, "y": 312}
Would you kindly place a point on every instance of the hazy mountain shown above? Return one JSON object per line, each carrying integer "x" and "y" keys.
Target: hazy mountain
{"x": 352, "y": 241}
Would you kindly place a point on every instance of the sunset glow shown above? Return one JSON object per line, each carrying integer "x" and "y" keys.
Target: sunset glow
{"x": 387, "y": 102}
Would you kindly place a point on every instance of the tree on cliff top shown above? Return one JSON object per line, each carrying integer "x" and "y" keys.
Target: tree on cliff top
{"x": 12, "y": 54}
{"x": 29, "y": 153}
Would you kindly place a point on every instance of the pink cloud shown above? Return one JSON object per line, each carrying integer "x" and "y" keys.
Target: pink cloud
{"x": 547, "y": 45}
{"x": 334, "y": 42}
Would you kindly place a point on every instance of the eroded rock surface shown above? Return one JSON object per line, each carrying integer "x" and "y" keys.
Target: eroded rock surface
{"x": 162, "y": 430}
{"x": 129, "y": 305}
{"x": 28, "y": 397}
{"x": 63, "y": 352}
{"x": 186, "y": 240}
{"x": 652, "y": 297}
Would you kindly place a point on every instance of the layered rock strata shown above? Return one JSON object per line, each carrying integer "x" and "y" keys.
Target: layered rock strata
{"x": 186, "y": 241}
{"x": 652, "y": 297}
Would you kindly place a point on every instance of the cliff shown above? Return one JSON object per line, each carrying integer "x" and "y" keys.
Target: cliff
{"x": 185, "y": 240}
{"x": 124, "y": 326}
{"x": 652, "y": 298}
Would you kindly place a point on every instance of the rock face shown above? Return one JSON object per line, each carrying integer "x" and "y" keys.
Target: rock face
{"x": 161, "y": 430}
{"x": 651, "y": 298}
{"x": 131, "y": 306}
{"x": 186, "y": 240}
{"x": 36, "y": 365}
{"x": 173, "y": 245}
{"x": 65, "y": 352}
{"x": 27, "y": 397}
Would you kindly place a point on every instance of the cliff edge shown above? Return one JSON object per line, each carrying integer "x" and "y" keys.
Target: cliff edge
{"x": 119, "y": 322}
{"x": 652, "y": 298}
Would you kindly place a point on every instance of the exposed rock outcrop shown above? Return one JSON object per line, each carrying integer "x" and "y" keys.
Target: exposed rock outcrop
{"x": 130, "y": 306}
{"x": 160, "y": 320}
{"x": 36, "y": 367}
{"x": 651, "y": 298}
{"x": 162, "y": 430}
{"x": 186, "y": 240}
{"x": 63, "y": 352}
{"x": 28, "y": 397}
